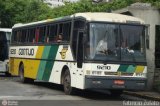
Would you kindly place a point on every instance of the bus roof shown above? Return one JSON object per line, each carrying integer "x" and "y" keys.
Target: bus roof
{"x": 92, "y": 16}
{"x": 5, "y": 29}
{"x": 109, "y": 17}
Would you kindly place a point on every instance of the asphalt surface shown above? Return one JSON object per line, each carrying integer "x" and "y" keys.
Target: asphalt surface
{"x": 15, "y": 93}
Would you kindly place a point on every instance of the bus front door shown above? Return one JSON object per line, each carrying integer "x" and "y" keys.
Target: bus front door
{"x": 80, "y": 50}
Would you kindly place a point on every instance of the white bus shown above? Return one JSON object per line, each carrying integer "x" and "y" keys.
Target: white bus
{"x": 84, "y": 51}
{"x": 5, "y": 36}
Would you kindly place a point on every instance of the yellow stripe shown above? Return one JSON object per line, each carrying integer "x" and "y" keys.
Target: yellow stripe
{"x": 39, "y": 51}
{"x": 30, "y": 66}
{"x": 14, "y": 66}
{"x": 139, "y": 69}
{"x": 33, "y": 65}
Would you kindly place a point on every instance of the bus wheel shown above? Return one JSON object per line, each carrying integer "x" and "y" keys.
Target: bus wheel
{"x": 67, "y": 83}
{"x": 21, "y": 74}
{"x": 116, "y": 92}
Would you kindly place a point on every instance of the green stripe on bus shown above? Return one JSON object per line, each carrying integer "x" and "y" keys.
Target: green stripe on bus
{"x": 49, "y": 65}
{"x": 41, "y": 69}
{"x": 131, "y": 68}
{"x": 43, "y": 63}
{"x": 123, "y": 68}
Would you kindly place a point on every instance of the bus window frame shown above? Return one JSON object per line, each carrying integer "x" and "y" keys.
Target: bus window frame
{"x": 26, "y": 32}
{"x": 58, "y": 23}
{"x": 71, "y": 38}
{"x": 49, "y": 32}
{"x": 29, "y": 34}
{"x": 44, "y": 28}
{"x": 115, "y": 62}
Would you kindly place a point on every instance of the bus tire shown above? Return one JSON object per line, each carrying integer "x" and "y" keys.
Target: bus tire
{"x": 67, "y": 83}
{"x": 116, "y": 93}
{"x": 21, "y": 74}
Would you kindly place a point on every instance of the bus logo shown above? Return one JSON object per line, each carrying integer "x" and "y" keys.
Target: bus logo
{"x": 63, "y": 53}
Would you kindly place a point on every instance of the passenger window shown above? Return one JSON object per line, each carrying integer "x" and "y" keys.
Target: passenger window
{"x": 36, "y": 36}
{"x": 42, "y": 34}
{"x": 23, "y": 36}
{"x": 31, "y": 36}
{"x": 52, "y": 33}
{"x": 64, "y": 32}
{"x": 18, "y": 36}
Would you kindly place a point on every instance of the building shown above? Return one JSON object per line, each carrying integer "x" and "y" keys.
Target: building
{"x": 151, "y": 16}
{"x": 56, "y": 3}
{"x": 99, "y": 1}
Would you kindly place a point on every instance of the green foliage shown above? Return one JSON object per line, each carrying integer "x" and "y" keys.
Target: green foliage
{"x": 88, "y": 6}
{"x": 35, "y": 11}
{"x": 24, "y": 11}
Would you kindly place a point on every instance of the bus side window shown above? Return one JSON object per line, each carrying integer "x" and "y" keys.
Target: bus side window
{"x": 60, "y": 32}
{"x": 31, "y": 37}
{"x": 36, "y": 36}
{"x": 42, "y": 34}
{"x": 19, "y": 35}
{"x": 52, "y": 33}
{"x": 66, "y": 31}
{"x": 23, "y": 36}
{"x": 47, "y": 33}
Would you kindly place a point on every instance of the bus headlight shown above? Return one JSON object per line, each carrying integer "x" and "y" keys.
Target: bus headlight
{"x": 140, "y": 74}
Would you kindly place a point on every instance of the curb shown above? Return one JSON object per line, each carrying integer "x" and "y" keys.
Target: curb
{"x": 142, "y": 95}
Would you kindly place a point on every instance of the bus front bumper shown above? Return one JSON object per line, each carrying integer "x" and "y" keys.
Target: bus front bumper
{"x": 111, "y": 82}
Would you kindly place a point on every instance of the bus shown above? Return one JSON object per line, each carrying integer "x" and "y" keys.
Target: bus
{"x": 5, "y": 36}
{"x": 65, "y": 51}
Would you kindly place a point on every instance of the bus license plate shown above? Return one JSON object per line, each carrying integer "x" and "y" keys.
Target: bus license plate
{"x": 119, "y": 82}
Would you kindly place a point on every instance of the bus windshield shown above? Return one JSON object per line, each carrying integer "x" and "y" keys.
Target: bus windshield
{"x": 4, "y": 43}
{"x": 115, "y": 42}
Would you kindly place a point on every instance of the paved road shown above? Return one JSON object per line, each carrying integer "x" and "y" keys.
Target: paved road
{"x": 47, "y": 94}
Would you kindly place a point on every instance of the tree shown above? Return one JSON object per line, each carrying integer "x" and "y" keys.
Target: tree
{"x": 21, "y": 11}
{"x": 24, "y": 11}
